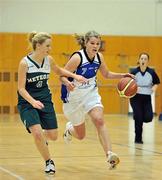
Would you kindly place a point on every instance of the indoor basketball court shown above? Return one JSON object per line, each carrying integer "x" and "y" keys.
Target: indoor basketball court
{"x": 127, "y": 29}
{"x": 82, "y": 159}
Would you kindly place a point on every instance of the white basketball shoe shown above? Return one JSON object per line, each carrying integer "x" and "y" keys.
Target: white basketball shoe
{"x": 113, "y": 160}
{"x": 67, "y": 136}
{"x": 50, "y": 167}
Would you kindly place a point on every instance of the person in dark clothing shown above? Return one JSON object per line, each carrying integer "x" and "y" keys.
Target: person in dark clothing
{"x": 147, "y": 81}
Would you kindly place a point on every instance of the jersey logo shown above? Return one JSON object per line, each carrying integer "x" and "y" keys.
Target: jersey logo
{"x": 39, "y": 84}
{"x": 84, "y": 70}
{"x": 38, "y": 78}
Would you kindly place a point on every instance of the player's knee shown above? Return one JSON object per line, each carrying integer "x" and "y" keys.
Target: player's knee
{"x": 137, "y": 117}
{"x": 37, "y": 135}
{"x": 99, "y": 122}
{"x": 148, "y": 117}
{"x": 51, "y": 134}
{"x": 53, "y": 137}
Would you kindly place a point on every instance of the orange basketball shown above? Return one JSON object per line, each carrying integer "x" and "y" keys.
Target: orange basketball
{"x": 127, "y": 87}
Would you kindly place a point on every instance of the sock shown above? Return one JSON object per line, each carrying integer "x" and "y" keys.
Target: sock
{"x": 109, "y": 152}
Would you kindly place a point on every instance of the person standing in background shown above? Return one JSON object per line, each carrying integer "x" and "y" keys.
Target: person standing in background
{"x": 83, "y": 98}
{"x": 34, "y": 97}
{"x": 147, "y": 81}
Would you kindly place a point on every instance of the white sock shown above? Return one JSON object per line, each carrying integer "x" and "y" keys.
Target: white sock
{"x": 109, "y": 152}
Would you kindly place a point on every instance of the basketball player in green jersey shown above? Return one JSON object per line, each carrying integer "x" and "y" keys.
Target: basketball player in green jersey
{"x": 34, "y": 98}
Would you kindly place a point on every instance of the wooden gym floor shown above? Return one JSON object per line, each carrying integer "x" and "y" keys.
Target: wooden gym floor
{"x": 82, "y": 160}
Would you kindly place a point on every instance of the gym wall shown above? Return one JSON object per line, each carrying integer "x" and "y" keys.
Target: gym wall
{"x": 128, "y": 28}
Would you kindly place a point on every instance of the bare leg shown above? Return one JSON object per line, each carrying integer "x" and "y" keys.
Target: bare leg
{"x": 96, "y": 115}
{"x": 78, "y": 131}
{"x": 40, "y": 141}
{"x": 51, "y": 134}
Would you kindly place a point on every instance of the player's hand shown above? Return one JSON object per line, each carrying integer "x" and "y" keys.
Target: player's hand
{"x": 70, "y": 86}
{"x": 37, "y": 104}
{"x": 129, "y": 75}
{"x": 81, "y": 79}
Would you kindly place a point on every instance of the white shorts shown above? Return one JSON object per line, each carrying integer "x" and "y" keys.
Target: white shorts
{"x": 75, "y": 111}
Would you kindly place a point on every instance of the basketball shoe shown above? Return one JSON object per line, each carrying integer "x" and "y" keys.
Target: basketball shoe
{"x": 50, "y": 167}
{"x": 112, "y": 159}
{"x": 67, "y": 136}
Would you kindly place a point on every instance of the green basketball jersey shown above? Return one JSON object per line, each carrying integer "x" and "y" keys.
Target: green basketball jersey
{"x": 36, "y": 80}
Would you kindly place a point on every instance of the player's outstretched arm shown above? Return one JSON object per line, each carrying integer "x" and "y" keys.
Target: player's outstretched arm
{"x": 64, "y": 72}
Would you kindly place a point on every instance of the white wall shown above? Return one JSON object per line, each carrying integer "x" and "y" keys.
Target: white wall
{"x": 111, "y": 17}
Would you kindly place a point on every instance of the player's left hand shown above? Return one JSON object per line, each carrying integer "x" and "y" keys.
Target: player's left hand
{"x": 80, "y": 79}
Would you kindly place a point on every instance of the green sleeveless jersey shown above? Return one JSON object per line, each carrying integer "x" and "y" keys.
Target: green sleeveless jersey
{"x": 36, "y": 80}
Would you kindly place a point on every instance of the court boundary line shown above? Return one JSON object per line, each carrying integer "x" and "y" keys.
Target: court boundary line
{"x": 11, "y": 173}
{"x": 138, "y": 148}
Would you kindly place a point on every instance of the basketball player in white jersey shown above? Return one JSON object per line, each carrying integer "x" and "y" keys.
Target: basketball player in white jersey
{"x": 82, "y": 98}
{"x": 34, "y": 97}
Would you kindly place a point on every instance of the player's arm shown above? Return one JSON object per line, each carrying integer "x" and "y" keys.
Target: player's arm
{"x": 109, "y": 74}
{"x": 154, "y": 87}
{"x": 22, "y": 70}
{"x": 156, "y": 82}
{"x": 65, "y": 72}
{"x": 71, "y": 66}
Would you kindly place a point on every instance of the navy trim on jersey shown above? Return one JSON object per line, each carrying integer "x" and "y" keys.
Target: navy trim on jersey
{"x": 135, "y": 70}
{"x": 81, "y": 58}
{"x": 36, "y": 63}
{"x": 42, "y": 63}
{"x": 155, "y": 77}
{"x": 98, "y": 56}
{"x": 90, "y": 60}
{"x": 64, "y": 93}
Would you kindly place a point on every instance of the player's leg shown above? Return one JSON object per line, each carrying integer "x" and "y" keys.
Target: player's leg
{"x": 51, "y": 134}
{"x": 148, "y": 111}
{"x": 49, "y": 122}
{"x": 77, "y": 131}
{"x": 42, "y": 147}
{"x": 40, "y": 141}
{"x": 75, "y": 126}
{"x": 138, "y": 111}
{"x": 96, "y": 115}
{"x": 31, "y": 119}
{"x": 94, "y": 108}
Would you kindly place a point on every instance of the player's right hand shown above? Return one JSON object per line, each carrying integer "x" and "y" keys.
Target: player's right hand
{"x": 81, "y": 79}
{"x": 70, "y": 86}
{"x": 129, "y": 75}
{"x": 37, "y": 104}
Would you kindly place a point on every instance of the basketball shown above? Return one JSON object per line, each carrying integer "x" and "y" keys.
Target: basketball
{"x": 127, "y": 87}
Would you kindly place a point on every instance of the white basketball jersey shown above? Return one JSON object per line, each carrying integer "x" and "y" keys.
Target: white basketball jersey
{"x": 87, "y": 68}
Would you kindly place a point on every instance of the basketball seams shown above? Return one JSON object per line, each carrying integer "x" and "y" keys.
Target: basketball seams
{"x": 122, "y": 92}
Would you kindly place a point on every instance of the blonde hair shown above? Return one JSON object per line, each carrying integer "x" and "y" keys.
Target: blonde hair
{"x": 82, "y": 39}
{"x": 35, "y": 38}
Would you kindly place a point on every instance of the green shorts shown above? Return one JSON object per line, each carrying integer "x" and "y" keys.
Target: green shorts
{"x": 46, "y": 117}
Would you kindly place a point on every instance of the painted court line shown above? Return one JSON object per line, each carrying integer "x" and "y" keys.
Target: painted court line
{"x": 11, "y": 173}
